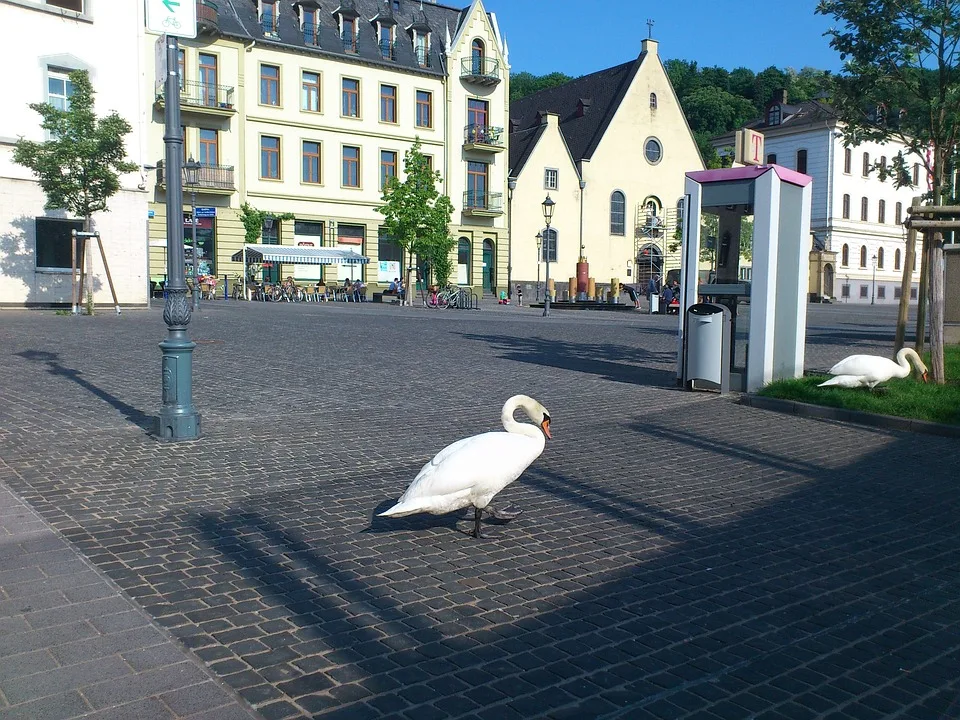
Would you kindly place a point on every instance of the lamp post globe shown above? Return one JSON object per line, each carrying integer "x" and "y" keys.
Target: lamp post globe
{"x": 539, "y": 258}
{"x": 548, "y": 206}
{"x": 191, "y": 170}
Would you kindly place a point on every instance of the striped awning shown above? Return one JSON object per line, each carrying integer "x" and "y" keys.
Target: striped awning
{"x": 300, "y": 255}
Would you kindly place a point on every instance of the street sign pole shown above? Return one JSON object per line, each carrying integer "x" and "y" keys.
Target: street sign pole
{"x": 178, "y": 419}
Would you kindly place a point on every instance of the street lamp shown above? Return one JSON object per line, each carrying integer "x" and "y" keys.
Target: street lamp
{"x": 539, "y": 258}
{"x": 511, "y": 186}
{"x": 191, "y": 170}
{"x": 547, "y": 216}
{"x": 873, "y": 289}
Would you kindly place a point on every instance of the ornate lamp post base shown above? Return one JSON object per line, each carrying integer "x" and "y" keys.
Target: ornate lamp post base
{"x": 178, "y": 418}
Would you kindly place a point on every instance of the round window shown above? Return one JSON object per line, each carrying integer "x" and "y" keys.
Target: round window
{"x": 653, "y": 150}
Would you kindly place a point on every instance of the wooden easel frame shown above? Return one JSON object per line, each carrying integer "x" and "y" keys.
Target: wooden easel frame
{"x": 76, "y": 292}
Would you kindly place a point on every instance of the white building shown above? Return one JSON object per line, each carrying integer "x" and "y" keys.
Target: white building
{"x": 856, "y": 218}
{"x": 46, "y": 39}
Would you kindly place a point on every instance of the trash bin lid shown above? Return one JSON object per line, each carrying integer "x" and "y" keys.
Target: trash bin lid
{"x": 705, "y": 309}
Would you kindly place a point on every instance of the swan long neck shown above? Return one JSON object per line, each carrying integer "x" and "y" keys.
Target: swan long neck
{"x": 510, "y": 424}
{"x": 904, "y": 358}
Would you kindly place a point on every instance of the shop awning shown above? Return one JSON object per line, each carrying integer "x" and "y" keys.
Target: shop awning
{"x": 300, "y": 255}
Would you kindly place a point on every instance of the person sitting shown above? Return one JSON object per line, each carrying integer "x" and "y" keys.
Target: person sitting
{"x": 401, "y": 290}
{"x": 359, "y": 291}
{"x": 392, "y": 287}
{"x": 667, "y": 296}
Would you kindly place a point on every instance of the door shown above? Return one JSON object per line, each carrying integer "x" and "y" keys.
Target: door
{"x": 489, "y": 268}
{"x": 828, "y": 280}
{"x": 208, "y": 80}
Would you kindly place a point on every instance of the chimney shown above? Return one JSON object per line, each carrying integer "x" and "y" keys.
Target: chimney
{"x": 779, "y": 97}
{"x": 649, "y": 46}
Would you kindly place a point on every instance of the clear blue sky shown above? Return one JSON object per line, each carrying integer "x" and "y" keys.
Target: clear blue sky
{"x": 583, "y": 36}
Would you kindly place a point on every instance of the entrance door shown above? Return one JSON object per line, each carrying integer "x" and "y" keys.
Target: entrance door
{"x": 489, "y": 267}
{"x": 828, "y": 280}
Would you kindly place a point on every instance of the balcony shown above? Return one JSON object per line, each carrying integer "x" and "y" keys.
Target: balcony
{"x": 349, "y": 43}
{"x": 211, "y": 179}
{"x": 208, "y": 17}
{"x": 423, "y": 56}
{"x": 311, "y": 34}
{"x": 203, "y": 97}
{"x": 388, "y": 50}
{"x": 269, "y": 27}
{"x": 482, "y": 204}
{"x": 480, "y": 71}
{"x": 484, "y": 138}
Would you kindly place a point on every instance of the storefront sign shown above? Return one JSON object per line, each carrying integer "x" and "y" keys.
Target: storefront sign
{"x": 387, "y": 270}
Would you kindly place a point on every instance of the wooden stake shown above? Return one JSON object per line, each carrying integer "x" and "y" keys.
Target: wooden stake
{"x": 113, "y": 292}
{"x": 910, "y": 256}
{"x": 935, "y": 272}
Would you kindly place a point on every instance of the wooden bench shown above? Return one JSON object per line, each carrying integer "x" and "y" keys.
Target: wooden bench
{"x": 386, "y": 296}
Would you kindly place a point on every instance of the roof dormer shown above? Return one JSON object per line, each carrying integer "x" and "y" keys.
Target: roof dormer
{"x": 386, "y": 27}
{"x": 268, "y": 14}
{"x": 347, "y": 16}
{"x": 309, "y": 14}
{"x": 419, "y": 31}
{"x": 583, "y": 106}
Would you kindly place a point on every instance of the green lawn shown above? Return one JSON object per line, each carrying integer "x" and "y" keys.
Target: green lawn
{"x": 907, "y": 398}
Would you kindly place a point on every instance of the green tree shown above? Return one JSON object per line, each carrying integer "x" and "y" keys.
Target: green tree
{"x": 714, "y": 111}
{"x": 900, "y": 81}
{"x": 252, "y": 220}
{"x": 524, "y": 83}
{"x": 417, "y": 216}
{"x": 79, "y": 167}
{"x": 765, "y": 83}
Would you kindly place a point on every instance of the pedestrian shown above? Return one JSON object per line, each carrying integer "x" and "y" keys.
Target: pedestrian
{"x": 628, "y": 289}
{"x": 519, "y": 295}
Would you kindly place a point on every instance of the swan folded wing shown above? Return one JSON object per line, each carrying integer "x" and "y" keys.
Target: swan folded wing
{"x": 863, "y": 366}
{"x": 848, "y": 381}
{"x": 480, "y": 466}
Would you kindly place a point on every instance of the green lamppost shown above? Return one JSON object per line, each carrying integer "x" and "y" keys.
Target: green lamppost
{"x": 548, "y": 244}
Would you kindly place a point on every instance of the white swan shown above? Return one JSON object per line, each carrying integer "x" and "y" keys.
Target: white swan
{"x": 870, "y": 370}
{"x": 473, "y": 470}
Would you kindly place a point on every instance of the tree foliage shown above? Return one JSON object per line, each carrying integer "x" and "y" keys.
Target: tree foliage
{"x": 79, "y": 167}
{"x": 252, "y": 220}
{"x": 524, "y": 83}
{"x": 417, "y": 216}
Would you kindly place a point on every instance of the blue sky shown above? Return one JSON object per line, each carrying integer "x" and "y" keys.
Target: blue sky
{"x": 578, "y": 37}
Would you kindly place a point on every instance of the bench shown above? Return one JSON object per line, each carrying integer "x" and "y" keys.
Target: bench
{"x": 392, "y": 297}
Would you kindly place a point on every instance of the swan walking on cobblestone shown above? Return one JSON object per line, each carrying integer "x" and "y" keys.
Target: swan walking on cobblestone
{"x": 470, "y": 472}
{"x": 871, "y": 370}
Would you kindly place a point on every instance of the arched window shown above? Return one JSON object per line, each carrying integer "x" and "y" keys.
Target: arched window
{"x": 880, "y": 258}
{"x": 653, "y": 101}
{"x": 680, "y": 212}
{"x": 845, "y": 255}
{"x": 463, "y": 261}
{"x": 898, "y": 214}
{"x": 802, "y": 161}
{"x": 476, "y": 55}
{"x": 863, "y": 256}
{"x": 618, "y": 213}
{"x": 845, "y": 213}
{"x": 896, "y": 259}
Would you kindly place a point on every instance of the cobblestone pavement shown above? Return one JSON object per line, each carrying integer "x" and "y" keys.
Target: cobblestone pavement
{"x": 679, "y": 555}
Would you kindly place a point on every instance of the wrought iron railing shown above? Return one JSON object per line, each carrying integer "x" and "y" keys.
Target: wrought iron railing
{"x": 423, "y": 56}
{"x": 311, "y": 34}
{"x": 202, "y": 94}
{"x": 480, "y": 69}
{"x": 485, "y": 201}
{"x": 349, "y": 42}
{"x": 269, "y": 26}
{"x": 208, "y": 15}
{"x": 209, "y": 177}
{"x": 388, "y": 50}
{"x": 483, "y": 135}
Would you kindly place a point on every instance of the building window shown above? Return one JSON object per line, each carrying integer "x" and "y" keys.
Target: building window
{"x": 896, "y": 292}
{"x": 618, "y": 213}
{"x": 898, "y": 213}
{"x": 349, "y": 35}
{"x": 386, "y": 42}
{"x": 913, "y": 293}
{"x": 421, "y": 47}
{"x": 424, "y": 109}
{"x": 882, "y": 211}
{"x": 311, "y": 26}
{"x": 351, "y": 166}
{"x": 863, "y": 256}
{"x": 879, "y": 258}
{"x": 310, "y": 91}
{"x": 883, "y": 163}
{"x": 477, "y": 114}
{"x": 209, "y": 150}
{"x": 551, "y": 179}
{"x": 774, "y": 115}
{"x": 476, "y": 56}
{"x": 463, "y": 261}
{"x": 802, "y": 161}
{"x": 864, "y": 209}
{"x": 268, "y": 17}
{"x": 916, "y": 174}
{"x": 270, "y": 85}
{"x": 845, "y": 255}
{"x": 845, "y": 291}
{"x": 388, "y": 167}
{"x": 896, "y": 259}
{"x": 182, "y": 66}
{"x": 846, "y": 207}
{"x": 772, "y": 159}
{"x": 866, "y": 164}
{"x": 653, "y": 101}
{"x": 863, "y": 290}
{"x": 847, "y": 160}
{"x": 351, "y": 98}
{"x": 53, "y": 242}
{"x": 75, "y": 5}
{"x": 548, "y": 248}
{"x": 388, "y": 103}
{"x": 59, "y": 89}
{"x": 881, "y": 292}
{"x": 269, "y": 157}
{"x": 311, "y": 162}
{"x": 208, "y": 79}
{"x": 653, "y": 151}
{"x": 477, "y": 184}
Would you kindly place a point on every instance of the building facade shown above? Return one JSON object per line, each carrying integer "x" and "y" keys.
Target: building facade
{"x": 611, "y": 149}
{"x": 307, "y": 108}
{"x": 858, "y": 246}
{"x": 106, "y": 39}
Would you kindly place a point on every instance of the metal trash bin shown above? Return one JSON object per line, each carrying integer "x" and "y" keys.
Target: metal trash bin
{"x": 654, "y": 303}
{"x": 707, "y": 347}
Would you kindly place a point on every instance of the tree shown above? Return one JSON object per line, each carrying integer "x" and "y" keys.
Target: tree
{"x": 524, "y": 83}
{"x": 252, "y": 220}
{"x": 900, "y": 82}
{"x": 416, "y": 215}
{"x": 715, "y": 111}
{"x": 79, "y": 167}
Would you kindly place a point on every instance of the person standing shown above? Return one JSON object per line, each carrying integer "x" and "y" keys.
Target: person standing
{"x": 519, "y": 295}
{"x": 628, "y": 289}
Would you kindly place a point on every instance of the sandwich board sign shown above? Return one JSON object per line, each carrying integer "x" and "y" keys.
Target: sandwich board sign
{"x": 172, "y": 17}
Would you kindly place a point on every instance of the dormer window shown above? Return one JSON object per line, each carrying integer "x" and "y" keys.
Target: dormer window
{"x": 421, "y": 39}
{"x": 387, "y": 41}
{"x": 310, "y": 23}
{"x": 653, "y": 101}
{"x": 774, "y": 115}
{"x": 268, "y": 16}
{"x": 348, "y": 34}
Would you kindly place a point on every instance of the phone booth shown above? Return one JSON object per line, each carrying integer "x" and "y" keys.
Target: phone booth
{"x": 779, "y": 201}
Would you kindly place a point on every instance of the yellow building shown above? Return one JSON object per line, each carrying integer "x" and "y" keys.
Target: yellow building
{"x": 611, "y": 150}
{"x": 306, "y": 108}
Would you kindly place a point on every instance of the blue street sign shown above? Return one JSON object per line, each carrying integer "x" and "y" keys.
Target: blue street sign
{"x": 206, "y": 212}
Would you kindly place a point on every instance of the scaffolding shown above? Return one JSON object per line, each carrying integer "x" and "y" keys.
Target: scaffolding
{"x": 653, "y": 235}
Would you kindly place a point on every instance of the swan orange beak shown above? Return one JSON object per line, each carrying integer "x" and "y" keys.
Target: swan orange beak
{"x": 924, "y": 376}
{"x": 545, "y": 426}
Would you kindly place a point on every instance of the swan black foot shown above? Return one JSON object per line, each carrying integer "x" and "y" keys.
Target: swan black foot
{"x": 477, "y": 512}
{"x": 505, "y": 514}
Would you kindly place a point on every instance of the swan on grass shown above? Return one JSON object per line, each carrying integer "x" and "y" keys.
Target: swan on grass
{"x": 870, "y": 370}
{"x": 470, "y": 472}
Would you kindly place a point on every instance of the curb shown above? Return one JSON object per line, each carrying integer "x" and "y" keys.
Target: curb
{"x": 887, "y": 422}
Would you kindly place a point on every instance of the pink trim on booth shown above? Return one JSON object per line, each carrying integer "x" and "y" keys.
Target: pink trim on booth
{"x": 749, "y": 172}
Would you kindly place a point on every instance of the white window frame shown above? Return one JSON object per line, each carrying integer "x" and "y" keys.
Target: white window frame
{"x": 551, "y": 179}
{"x": 59, "y": 74}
